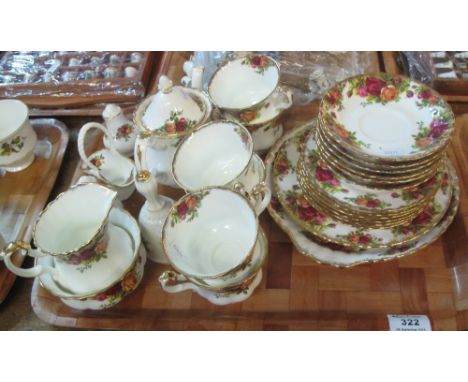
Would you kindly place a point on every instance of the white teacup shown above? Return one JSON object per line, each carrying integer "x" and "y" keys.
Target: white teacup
{"x": 211, "y": 233}
{"x": 17, "y": 137}
{"x": 244, "y": 83}
{"x": 219, "y": 153}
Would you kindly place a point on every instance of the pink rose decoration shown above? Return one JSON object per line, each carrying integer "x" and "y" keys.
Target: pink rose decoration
{"x": 362, "y": 91}
{"x": 374, "y": 85}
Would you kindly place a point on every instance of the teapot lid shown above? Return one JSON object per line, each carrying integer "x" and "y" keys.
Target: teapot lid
{"x": 173, "y": 110}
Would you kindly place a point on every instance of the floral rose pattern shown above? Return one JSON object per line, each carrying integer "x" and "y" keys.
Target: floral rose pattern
{"x": 259, "y": 62}
{"x": 325, "y": 177}
{"x": 308, "y": 214}
{"x": 369, "y": 201}
{"x": 14, "y": 146}
{"x": 423, "y": 220}
{"x": 428, "y": 135}
{"x": 124, "y": 131}
{"x": 187, "y": 208}
{"x": 360, "y": 239}
{"x": 97, "y": 160}
{"x": 176, "y": 123}
{"x": 444, "y": 183}
{"x": 425, "y": 97}
{"x": 249, "y": 116}
{"x": 85, "y": 259}
{"x": 244, "y": 136}
{"x": 378, "y": 88}
{"x": 282, "y": 166}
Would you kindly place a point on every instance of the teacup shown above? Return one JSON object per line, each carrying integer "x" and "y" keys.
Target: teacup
{"x": 211, "y": 234}
{"x": 108, "y": 166}
{"x": 219, "y": 153}
{"x": 244, "y": 83}
{"x": 17, "y": 137}
{"x": 74, "y": 231}
{"x": 124, "y": 281}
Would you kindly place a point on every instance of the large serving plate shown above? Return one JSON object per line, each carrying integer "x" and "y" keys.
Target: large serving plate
{"x": 345, "y": 256}
{"x": 389, "y": 117}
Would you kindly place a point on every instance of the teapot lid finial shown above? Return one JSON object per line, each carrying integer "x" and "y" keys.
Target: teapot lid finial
{"x": 165, "y": 84}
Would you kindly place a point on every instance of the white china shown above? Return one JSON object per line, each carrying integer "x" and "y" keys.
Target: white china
{"x": 164, "y": 119}
{"x": 17, "y": 137}
{"x": 152, "y": 215}
{"x": 219, "y": 153}
{"x": 125, "y": 281}
{"x": 292, "y": 199}
{"x": 265, "y": 136}
{"x": 388, "y": 117}
{"x": 332, "y": 254}
{"x": 108, "y": 166}
{"x": 174, "y": 283}
{"x": 122, "y": 134}
{"x": 74, "y": 231}
{"x": 244, "y": 83}
{"x": 211, "y": 233}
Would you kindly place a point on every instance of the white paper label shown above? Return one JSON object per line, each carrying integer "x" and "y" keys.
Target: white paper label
{"x": 402, "y": 323}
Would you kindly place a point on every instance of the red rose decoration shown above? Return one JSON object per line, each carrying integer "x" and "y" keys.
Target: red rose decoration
{"x": 182, "y": 209}
{"x": 323, "y": 175}
{"x": 373, "y": 203}
{"x": 425, "y": 94}
{"x": 180, "y": 126}
{"x": 364, "y": 239}
{"x": 428, "y": 182}
{"x": 256, "y": 60}
{"x": 374, "y": 85}
{"x": 307, "y": 214}
{"x": 101, "y": 296}
{"x": 422, "y": 218}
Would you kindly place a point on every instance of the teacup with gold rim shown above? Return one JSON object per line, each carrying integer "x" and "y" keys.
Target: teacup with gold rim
{"x": 73, "y": 230}
{"x": 210, "y": 235}
{"x": 219, "y": 153}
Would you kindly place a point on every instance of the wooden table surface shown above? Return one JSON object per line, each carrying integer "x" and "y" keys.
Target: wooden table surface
{"x": 295, "y": 292}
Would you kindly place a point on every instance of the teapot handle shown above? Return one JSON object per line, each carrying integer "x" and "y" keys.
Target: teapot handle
{"x": 21, "y": 246}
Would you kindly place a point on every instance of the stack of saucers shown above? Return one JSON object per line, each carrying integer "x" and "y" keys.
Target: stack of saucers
{"x": 395, "y": 131}
{"x": 377, "y": 157}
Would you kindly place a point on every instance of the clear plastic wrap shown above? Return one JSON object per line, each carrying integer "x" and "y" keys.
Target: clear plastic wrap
{"x": 417, "y": 65}
{"x": 79, "y": 77}
{"x": 308, "y": 74}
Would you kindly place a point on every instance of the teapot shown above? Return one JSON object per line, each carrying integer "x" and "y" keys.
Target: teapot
{"x": 163, "y": 119}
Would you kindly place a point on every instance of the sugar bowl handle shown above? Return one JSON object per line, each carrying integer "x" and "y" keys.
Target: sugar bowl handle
{"x": 26, "y": 249}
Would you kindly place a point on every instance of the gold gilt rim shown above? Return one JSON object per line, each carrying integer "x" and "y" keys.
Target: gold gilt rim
{"x": 331, "y": 150}
{"x": 173, "y": 209}
{"x": 279, "y": 220}
{"x": 355, "y": 209}
{"x": 250, "y": 277}
{"x": 90, "y": 295}
{"x": 304, "y": 176}
{"x": 445, "y": 105}
{"x": 382, "y": 185}
{"x": 356, "y": 215}
{"x": 202, "y": 127}
{"x": 384, "y": 179}
{"x": 391, "y": 166}
{"x": 59, "y": 196}
{"x": 245, "y": 108}
{"x": 300, "y": 223}
{"x": 141, "y": 110}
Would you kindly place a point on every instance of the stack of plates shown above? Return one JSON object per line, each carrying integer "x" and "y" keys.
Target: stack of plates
{"x": 383, "y": 131}
{"x": 372, "y": 171}
{"x": 377, "y": 156}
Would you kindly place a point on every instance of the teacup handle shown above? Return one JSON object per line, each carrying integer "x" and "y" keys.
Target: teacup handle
{"x": 81, "y": 138}
{"x": 174, "y": 282}
{"x": 260, "y": 195}
{"x": 35, "y": 271}
{"x": 282, "y": 99}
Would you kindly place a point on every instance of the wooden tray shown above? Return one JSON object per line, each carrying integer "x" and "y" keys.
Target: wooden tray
{"x": 459, "y": 102}
{"x": 296, "y": 293}
{"x": 24, "y": 194}
{"x": 81, "y": 104}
